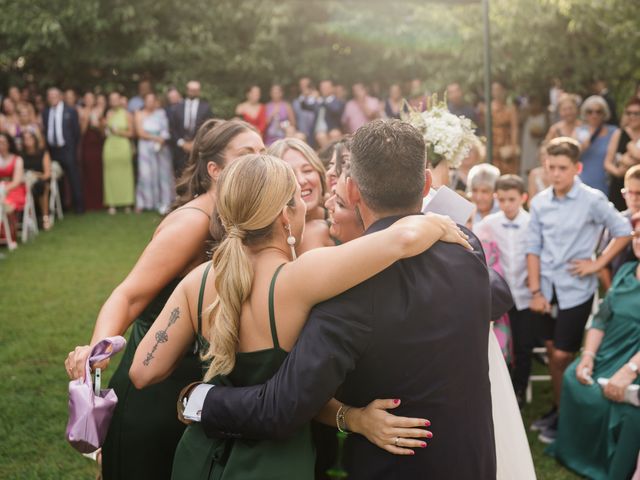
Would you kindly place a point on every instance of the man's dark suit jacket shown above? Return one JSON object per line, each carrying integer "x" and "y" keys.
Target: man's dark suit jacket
{"x": 177, "y": 130}
{"x": 417, "y": 331}
{"x": 333, "y": 111}
{"x": 70, "y": 127}
{"x": 66, "y": 155}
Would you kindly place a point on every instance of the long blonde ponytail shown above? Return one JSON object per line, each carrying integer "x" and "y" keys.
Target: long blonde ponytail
{"x": 252, "y": 192}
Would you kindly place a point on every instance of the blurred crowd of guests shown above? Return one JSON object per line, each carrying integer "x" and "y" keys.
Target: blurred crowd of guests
{"x": 119, "y": 152}
{"x": 115, "y": 152}
{"x": 562, "y": 186}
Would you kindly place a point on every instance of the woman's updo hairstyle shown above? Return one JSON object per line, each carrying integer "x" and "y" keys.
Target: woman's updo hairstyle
{"x": 252, "y": 193}
{"x": 209, "y": 145}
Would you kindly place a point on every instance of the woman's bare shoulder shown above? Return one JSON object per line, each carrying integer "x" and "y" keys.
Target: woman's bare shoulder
{"x": 192, "y": 282}
{"x": 188, "y": 218}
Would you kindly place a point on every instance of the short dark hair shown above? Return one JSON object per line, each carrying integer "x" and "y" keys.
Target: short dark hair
{"x": 567, "y": 146}
{"x": 388, "y": 162}
{"x": 510, "y": 182}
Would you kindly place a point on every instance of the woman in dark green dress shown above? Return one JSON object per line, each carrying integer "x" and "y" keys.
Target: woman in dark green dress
{"x": 598, "y": 436}
{"x": 144, "y": 430}
{"x": 255, "y": 320}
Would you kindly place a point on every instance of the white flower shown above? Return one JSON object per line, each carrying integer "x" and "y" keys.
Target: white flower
{"x": 448, "y": 135}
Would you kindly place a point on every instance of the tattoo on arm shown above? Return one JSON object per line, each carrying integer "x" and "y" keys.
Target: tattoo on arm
{"x": 162, "y": 336}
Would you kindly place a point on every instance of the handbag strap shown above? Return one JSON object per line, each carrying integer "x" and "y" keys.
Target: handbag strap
{"x": 595, "y": 134}
{"x": 101, "y": 351}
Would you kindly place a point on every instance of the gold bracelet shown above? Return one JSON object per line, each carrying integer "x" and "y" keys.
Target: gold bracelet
{"x": 341, "y": 418}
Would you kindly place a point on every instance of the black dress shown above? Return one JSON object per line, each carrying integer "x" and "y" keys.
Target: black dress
{"x": 617, "y": 183}
{"x": 145, "y": 430}
{"x": 34, "y": 162}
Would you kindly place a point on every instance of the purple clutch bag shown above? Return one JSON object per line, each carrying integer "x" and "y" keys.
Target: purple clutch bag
{"x": 90, "y": 413}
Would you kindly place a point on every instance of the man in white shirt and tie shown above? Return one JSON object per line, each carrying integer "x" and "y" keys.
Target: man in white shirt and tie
{"x": 62, "y": 131}
{"x": 186, "y": 119}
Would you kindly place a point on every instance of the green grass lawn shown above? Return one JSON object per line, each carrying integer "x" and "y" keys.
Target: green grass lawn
{"x": 50, "y": 293}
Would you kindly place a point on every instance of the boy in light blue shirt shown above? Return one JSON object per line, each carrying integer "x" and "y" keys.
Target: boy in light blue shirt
{"x": 566, "y": 222}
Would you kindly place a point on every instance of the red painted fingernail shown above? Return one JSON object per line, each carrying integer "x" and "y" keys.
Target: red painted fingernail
{"x": 396, "y": 401}
{"x": 427, "y": 423}
{"x": 424, "y": 445}
{"x": 429, "y": 435}
{"x": 412, "y": 452}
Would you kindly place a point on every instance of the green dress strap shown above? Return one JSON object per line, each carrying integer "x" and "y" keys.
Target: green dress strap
{"x": 203, "y": 282}
{"x": 272, "y": 316}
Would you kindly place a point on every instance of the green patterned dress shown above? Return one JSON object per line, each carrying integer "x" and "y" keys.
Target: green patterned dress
{"x": 199, "y": 457}
{"x": 598, "y": 438}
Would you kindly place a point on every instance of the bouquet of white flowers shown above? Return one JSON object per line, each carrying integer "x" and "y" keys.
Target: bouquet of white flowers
{"x": 448, "y": 136}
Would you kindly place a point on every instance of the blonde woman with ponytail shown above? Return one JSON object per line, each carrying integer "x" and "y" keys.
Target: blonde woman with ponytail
{"x": 260, "y": 296}
{"x": 144, "y": 431}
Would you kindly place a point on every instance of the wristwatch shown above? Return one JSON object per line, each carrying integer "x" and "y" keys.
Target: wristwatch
{"x": 634, "y": 367}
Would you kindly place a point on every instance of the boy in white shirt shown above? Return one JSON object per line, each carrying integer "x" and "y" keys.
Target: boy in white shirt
{"x": 508, "y": 229}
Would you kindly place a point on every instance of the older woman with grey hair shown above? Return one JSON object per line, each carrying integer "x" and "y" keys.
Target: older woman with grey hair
{"x": 594, "y": 137}
{"x": 481, "y": 183}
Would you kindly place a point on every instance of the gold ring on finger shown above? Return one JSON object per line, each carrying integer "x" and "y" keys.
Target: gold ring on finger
{"x": 395, "y": 441}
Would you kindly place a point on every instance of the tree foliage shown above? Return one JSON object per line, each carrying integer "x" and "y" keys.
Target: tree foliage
{"x": 229, "y": 44}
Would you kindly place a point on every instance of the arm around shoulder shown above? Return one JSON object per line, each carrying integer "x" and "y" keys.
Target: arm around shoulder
{"x": 337, "y": 269}
{"x": 335, "y": 336}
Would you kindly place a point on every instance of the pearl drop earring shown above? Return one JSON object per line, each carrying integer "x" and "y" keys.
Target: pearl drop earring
{"x": 291, "y": 240}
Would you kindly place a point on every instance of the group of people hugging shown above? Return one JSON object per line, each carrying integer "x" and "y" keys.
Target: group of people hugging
{"x": 254, "y": 204}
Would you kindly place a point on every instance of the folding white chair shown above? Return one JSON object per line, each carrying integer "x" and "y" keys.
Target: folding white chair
{"x": 536, "y": 378}
{"x": 4, "y": 219}
{"x": 29, "y": 217}
{"x": 55, "y": 201}
{"x": 543, "y": 350}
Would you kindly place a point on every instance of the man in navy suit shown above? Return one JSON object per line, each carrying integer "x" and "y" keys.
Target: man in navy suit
{"x": 185, "y": 119}
{"x": 328, "y": 114}
{"x": 404, "y": 333}
{"x": 62, "y": 132}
